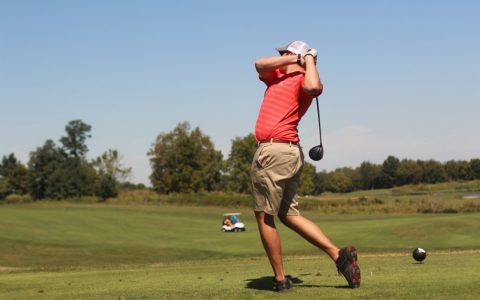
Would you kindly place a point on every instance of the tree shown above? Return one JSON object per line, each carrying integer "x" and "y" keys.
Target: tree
{"x": 457, "y": 170}
{"x": 239, "y": 164}
{"x": 110, "y": 163}
{"x": 354, "y": 175}
{"x": 389, "y": 172}
{"x": 321, "y": 182}
{"x": 44, "y": 161}
{"x": 434, "y": 172}
{"x": 368, "y": 175}
{"x": 4, "y": 190}
{"x": 184, "y": 160}
{"x": 111, "y": 173}
{"x": 73, "y": 178}
{"x": 475, "y": 168}
{"x": 64, "y": 172}
{"x": 307, "y": 179}
{"x": 107, "y": 187}
{"x": 14, "y": 174}
{"x": 408, "y": 172}
{"x": 77, "y": 134}
{"x": 340, "y": 183}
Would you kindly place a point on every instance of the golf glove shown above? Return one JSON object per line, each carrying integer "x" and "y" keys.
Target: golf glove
{"x": 312, "y": 52}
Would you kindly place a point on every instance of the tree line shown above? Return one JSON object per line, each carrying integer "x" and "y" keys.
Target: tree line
{"x": 394, "y": 172}
{"x": 185, "y": 160}
{"x": 59, "y": 171}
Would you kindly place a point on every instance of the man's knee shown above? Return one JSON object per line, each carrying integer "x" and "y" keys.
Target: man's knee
{"x": 264, "y": 219}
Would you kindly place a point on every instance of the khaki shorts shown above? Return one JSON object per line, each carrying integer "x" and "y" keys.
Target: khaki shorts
{"x": 275, "y": 173}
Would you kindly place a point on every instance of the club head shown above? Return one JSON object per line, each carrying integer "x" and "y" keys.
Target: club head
{"x": 316, "y": 153}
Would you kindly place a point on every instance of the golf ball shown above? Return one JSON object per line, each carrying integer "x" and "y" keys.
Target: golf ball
{"x": 419, "y": 254}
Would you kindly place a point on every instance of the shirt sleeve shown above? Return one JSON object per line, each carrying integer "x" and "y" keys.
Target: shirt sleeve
{"x": 275, "y": 75}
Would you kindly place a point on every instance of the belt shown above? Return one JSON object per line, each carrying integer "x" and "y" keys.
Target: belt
{"x": 278, "y": 141}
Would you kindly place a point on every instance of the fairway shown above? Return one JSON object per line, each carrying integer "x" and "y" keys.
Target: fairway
{"x": 442, "y": 276}
{"x": 72, "y": 251}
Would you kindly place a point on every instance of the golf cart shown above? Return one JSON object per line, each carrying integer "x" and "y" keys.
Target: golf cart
{"x": 232, "y": 223}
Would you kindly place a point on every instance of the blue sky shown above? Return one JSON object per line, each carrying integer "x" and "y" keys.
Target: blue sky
{"x": 401, "y": 77}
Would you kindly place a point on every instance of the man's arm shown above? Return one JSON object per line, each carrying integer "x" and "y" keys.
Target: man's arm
{"x": 267, "y": 65}
{"x": 312, "y": 85}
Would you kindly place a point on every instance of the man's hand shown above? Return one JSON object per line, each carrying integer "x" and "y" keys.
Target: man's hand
{"x": 310, "y": 52}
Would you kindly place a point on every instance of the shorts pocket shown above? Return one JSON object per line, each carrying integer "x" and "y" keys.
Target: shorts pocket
{"x": 264, "y": 158}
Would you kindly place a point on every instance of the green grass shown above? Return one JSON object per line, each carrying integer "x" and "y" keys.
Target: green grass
{"x": 442, "y": 276}
{"x": 105, "y": 251}
{"x": 68, "y": 235}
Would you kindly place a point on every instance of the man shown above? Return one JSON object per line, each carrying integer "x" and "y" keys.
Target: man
{"x": 292, "y": 82}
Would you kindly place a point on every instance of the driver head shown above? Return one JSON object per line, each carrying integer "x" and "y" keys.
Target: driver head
{"x": 316, "y": 153}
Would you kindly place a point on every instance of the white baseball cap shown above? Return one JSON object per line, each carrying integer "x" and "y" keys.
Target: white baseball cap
{"x": 296, "y": 47}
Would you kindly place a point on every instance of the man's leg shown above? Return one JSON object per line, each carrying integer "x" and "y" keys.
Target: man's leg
{"x": 311, "y": 232}
{"x": 271, "y": 242}
{"x": 345, "y": 258}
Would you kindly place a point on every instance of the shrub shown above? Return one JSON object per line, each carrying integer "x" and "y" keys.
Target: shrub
{"x": 18, "y": 199}
{"x": 137, "y": 196}
{"x": 84, "y": 199}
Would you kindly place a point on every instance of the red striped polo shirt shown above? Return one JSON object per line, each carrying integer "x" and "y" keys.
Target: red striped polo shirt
{"x": 284, "y": 104}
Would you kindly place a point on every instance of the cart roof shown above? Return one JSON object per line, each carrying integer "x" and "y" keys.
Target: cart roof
{"x": 232, "y": 214}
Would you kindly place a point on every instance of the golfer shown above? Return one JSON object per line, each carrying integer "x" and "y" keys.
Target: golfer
{"x": 292, "y": 82}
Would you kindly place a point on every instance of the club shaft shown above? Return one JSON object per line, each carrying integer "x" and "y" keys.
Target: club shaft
{"x": 319, "y": 126}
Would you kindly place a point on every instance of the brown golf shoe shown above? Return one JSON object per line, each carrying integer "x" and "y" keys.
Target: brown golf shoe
{"x": 348, "y": 267}
{"x": 284, "y": 285}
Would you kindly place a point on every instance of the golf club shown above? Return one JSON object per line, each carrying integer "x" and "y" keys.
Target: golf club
{"x": 316, "y": 153}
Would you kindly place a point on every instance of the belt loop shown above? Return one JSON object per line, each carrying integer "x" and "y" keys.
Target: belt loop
{"x": 271, "y": 141}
